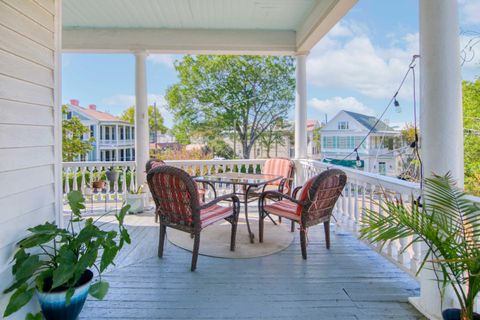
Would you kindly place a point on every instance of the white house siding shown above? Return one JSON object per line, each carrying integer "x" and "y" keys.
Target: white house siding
{"x": 28, "y": 117}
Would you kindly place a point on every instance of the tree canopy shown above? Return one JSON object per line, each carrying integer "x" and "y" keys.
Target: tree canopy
{"x": 129, "y": 116}
{"x": 218, "y": 95}
{"x": 73, "y": 144}
{"x": 471, "y": 123}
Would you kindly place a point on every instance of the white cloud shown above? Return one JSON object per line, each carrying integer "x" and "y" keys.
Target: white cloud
{"x": 355, "y": 63}
{"x": 165, "y": 59}
{"x": 470, "y": 12}
{"x": 332, "y": 106}
{"x": 123, "y": 101}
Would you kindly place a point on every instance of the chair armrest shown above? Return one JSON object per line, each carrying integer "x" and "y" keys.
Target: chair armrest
{"x": 221, "y": 198}
{"x": 279, "y": 195}
{"x": 295, "y": 191}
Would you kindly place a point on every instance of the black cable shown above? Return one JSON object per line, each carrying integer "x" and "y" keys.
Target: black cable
{"x": 416, "y": 148}
{"x": 410, "y": 67}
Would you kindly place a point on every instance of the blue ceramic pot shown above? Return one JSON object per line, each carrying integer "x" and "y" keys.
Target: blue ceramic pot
{"x": 455, "y": 314}
{"x": 54, "y": 306}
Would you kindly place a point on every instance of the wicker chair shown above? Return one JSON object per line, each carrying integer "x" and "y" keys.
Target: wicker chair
{"x": 315, "y": 204}
{"x": 281, "y": 167}
{"x": 202, "y": 188}
{"x": 178, "y": 206}
{"x": 153, "y": 163}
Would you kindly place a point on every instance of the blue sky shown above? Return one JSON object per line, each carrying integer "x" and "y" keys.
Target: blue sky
{"x": 357, "y": 66}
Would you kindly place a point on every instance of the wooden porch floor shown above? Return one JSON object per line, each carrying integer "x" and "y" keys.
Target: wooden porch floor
{"x": 349, "y": 281}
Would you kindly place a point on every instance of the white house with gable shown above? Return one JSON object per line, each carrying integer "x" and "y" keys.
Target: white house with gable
{"x": 341, "y": 135}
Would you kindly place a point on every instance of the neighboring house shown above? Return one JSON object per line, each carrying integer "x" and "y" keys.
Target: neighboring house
{"x": 347, "y": 129}
{"x": 284, "y": 148}
{"x": 114, "y": 138}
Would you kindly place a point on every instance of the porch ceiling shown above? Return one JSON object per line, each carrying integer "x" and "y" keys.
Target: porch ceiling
{"x": 199, "y": 26}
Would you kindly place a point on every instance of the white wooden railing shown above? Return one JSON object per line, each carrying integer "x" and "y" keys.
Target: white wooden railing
{"x": 81, "y": 175}
{"x": 363, "y": 191}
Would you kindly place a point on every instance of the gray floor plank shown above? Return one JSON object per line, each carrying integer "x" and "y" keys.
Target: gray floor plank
{"x": 349, "y": 281}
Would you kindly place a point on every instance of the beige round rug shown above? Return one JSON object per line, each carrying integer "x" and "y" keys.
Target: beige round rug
{"x": 215, "y": 239}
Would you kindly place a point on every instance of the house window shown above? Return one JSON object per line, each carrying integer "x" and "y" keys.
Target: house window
{"x": 382, "y": 168}
{"x": 107, "y": 133}
{"x": 127, "y": 155}
{"x": 69, "y": 115}
{"x": 329, "y": 142}
{"x": 122, "y": 155}
{"x": 343, "y": 125}
{"x": 122, "y": 135}
{"x": 92, "y": 131}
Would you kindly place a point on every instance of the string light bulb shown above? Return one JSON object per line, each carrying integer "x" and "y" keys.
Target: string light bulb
{"x": 398, "y": 109}
{"x": 358, "y": 161}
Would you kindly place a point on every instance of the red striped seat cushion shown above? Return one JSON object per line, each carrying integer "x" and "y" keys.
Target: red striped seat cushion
{"x": 284, "y": 208}
{"x": 213, "y": 214}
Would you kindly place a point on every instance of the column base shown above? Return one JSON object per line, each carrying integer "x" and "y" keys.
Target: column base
{"x": 417, "y": 303}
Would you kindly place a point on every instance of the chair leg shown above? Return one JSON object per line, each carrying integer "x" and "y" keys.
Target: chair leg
{"x": 196, "y": 247}
{"x": 292, "y": 227}
{"x": 303, "y": 243}
{"x": 279, "y": 219}
{"x": 161, "y": 239}
{"x": 233, "y": 236}
{"x": 326, "y": 226}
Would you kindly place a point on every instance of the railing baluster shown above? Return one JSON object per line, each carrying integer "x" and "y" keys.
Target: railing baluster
{"x": 356, "y": 215}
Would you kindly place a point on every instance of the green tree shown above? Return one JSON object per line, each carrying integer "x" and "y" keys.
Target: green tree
{"x": 471, "y": 124}
{"x": 129, "y": 116}
{"x": 247, "y": 94}
{"x": 73, "y": 144}
{"x": 274, "y": 136}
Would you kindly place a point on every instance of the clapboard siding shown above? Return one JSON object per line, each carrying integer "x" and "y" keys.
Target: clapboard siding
{"x": 20, "y": 23}
{"x": 48, "y": 5}
{"x": 36, "y": 216}
{"x": 20, "y": 68}
{"x": 31, "y": 10}
{"x": 23, "y": 158}
{"x": 23, "y": 180}
{"x": 21, "y": 91}
{"x": 23, "y": 47}
{"x": 26, "y": 202}
{"x": 27, "y": 125}
{"x": 13, "y": 136}
{"x": 24, "y": 113}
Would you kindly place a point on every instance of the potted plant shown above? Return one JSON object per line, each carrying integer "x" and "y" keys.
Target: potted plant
{"x": 97, "y": 183}
{"x": 449, "y": 224}
{"x": 135, "y": 199}
{"x": 112, "y": 175}
{"x": 56, "y": 263}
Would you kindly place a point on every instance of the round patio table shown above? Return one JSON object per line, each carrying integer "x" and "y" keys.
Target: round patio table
{"x": 246, "y": 182}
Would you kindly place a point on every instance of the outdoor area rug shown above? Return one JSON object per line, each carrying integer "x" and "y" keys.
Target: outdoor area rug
{"x": 215, "y": 239}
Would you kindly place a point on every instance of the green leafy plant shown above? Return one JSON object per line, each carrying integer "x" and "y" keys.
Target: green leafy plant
{"x": 448, "y": 223}
{"x": 138, "y": 190}
{"x": 53, "y": 259}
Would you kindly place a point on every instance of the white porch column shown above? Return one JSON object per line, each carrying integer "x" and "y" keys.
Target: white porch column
{"x": 441, "y": 126}
{"x": 301, "y": 107}
{"x": 300, "y": 114}
{"x": 141, "y": 116}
